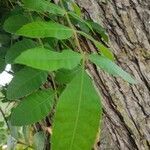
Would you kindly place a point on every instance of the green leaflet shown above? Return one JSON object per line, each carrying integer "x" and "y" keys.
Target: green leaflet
{"x": 110, "y": 67}
{"x": 103, "y": 49}
{"x": 40, "y": 29}
{"x": 78, "y": 18}
{"x": 78, "y": 115}
{"x": 16, "y": 49}
{"x": 76, "y": 8}
{"x": 43, "y": 6}
{"x": 13, "y": 23}
{"x": 64, "y": 76}
{"x": 48, "y": 60}
{"x": 32, "y": 108}
{"x": 39, "y": 140}
{"x": 99, "y": 29}
{"x": 25, "y": 82}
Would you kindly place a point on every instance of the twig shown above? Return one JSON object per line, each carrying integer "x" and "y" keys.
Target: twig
{"x": 72, "y": 27}
{"x": 20, "y": 142}
{"x": 11, "y": 3}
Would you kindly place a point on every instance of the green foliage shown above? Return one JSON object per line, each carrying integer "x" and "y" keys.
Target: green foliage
{"x": 65, "y": 76}
{"x": 51, "y": 84}
{"x": 4, "y": 39}
{"x": 16, "y": 49}
{"x": 43, "y": 6}
{"x": 110, "y": 67}
{"x": 32, "y": 108}
{"x": 105, "y": 51}
{"x": 72, "y": 126}
{"x": 79, "y": 19}
{"x": 46, "y": 59}
{"x": 99, "y": 29}
{"x": 40, "y": 29}
{"x": 25, "y": 82}
{"x": 76, "y": 9}
{"x": 13, "y": 23}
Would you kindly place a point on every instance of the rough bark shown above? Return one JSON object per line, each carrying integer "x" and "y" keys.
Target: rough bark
{"x": 126, "y": 122}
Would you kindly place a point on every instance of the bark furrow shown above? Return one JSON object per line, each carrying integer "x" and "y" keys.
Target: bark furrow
{"x": 126, "y": 124}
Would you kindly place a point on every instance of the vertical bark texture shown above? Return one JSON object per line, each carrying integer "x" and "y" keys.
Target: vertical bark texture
{"x": 126, "y": 123}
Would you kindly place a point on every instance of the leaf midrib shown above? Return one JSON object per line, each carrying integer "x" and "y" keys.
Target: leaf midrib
{"x": 48, "y": 28}
{"x": 65, "y": 58}
{"x": 78, "y": 110}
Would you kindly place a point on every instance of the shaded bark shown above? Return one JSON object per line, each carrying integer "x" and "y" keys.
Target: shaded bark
{"x": 126, "y": 123}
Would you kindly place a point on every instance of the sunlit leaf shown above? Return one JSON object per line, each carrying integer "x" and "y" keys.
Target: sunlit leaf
{"x": 105, "y": 51}
{"x": 78, "y": 115}
{"x": 110, "y": 67}
{"x": 76, "y": 8}
{"x": 40, "y": 29}
{"x": 43, "y": 6}
{"x": 48, "y": 60}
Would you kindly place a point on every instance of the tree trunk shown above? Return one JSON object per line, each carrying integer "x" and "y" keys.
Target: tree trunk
{"x": 126, "y": 122}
